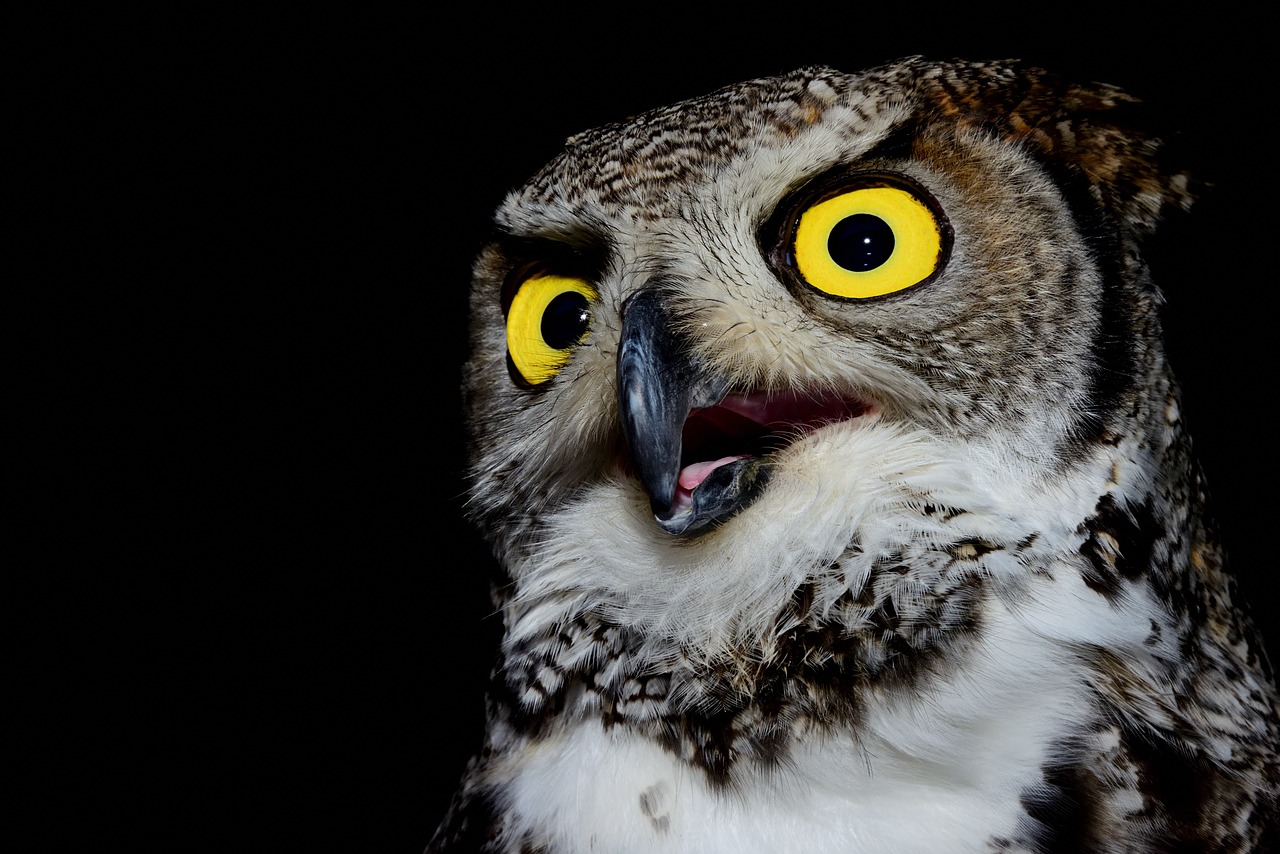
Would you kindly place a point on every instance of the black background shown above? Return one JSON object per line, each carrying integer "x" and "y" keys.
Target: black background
{"x": 323, "y": 186}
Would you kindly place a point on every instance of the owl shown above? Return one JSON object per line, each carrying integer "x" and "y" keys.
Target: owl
{"x": 825, "y": 437}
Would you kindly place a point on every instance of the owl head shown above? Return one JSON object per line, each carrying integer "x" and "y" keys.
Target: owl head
{"x": 736, "y": 330}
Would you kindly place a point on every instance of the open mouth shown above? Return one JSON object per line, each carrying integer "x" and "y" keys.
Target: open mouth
{"x": 702, "y": 451}
{"x": 750, "y": 427}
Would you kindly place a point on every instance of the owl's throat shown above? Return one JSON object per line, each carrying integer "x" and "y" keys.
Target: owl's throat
{"x": 750, "y": 426}
{"x": 754, "y": 425}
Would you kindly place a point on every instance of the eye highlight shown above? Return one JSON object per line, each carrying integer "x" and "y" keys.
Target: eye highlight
{"x": 867, "y": 239}
{"x": 549, "y": 315}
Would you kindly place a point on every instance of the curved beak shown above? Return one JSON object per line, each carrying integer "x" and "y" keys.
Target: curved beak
{"x": 659, "y": 385}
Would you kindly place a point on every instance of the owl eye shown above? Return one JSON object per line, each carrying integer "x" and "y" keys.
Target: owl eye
{"x": 868, "y": 240}
{"x": 548, "y": 316}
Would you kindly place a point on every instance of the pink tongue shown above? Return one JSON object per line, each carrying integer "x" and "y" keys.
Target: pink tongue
{"x": 692, "y": 475}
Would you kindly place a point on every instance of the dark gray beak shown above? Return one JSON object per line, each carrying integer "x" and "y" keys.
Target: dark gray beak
{"x": 659, "y": 383}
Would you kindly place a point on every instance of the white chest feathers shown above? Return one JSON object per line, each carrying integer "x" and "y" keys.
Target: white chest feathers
{"x": 942, "y": 770}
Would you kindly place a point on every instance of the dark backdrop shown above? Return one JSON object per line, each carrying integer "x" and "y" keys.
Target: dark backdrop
{"x": 347, "y": 168}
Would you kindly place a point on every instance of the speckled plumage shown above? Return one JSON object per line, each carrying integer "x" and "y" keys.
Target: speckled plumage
{"x": 960, "y": 593}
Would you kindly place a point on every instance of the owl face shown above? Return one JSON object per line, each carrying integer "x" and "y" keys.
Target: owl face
{"x": 824, "y": 435}
{"x": 753, "y": 318}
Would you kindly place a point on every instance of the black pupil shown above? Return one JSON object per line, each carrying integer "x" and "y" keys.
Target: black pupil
{"x": 860, "y": 242}
{"x": 565, "y": 320}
